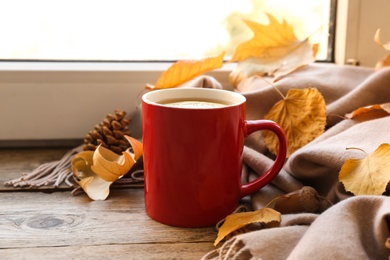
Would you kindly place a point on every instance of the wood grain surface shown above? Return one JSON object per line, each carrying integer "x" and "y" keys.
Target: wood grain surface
{"x": 54, "y": 224}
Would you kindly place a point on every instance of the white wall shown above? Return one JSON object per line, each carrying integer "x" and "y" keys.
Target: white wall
{"x": 357, "y": 22}
{"x": 50, "y": 101}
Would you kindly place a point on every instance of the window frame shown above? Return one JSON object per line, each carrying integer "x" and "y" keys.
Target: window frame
{"x": 57, "y": 103}
{"x": 62, "y": 117}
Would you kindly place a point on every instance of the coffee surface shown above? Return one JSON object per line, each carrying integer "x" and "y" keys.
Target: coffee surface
{"x": 193, "y": 103}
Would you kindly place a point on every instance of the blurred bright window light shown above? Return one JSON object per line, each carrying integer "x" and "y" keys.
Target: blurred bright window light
{"x": 147, "y": 30}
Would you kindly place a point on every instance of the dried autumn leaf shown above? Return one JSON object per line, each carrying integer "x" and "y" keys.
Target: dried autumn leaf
{"x": 377, "y": 40}
{"x": 272, "y": 40}
{"x": 95, "y": 187}
{"x": 367, "y": 176}
{"x": 301, "y": 114}
{"x": 110, "y": 166}
{"x": 387, "y": 243}
{"x": 363, "y": 110}
{"x": 138, "y": 148}
{"x": 274, "y": 50}
{"x": 83, "y": 161}
{"x": 184, "y": 70}
{"x": 96, "y": 171}
{"x": 239, "y": 220}
{"x": 385, "y": 61}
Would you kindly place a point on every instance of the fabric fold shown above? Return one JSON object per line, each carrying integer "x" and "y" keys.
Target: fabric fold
{"x": 355, "y": 227}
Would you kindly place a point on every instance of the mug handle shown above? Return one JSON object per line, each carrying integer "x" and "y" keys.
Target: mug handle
{"x": 251, "y": 126}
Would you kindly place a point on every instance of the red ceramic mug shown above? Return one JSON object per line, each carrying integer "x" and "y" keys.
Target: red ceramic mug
{"x": 193, "y": 142}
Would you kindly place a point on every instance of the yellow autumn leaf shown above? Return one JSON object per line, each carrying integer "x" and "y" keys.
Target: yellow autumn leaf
{"x": 367, "y": 109}
{"x": 367, "y": 176}
{"x": 185, "y": 70}
{"x": 96, "y": 171}
{"x": 238, "y": 220}
{"x": 274, "y": 50}
{"x": 301, "y": 114}
{"x": 83, "y": 162}
{"x": 272, "y": 40}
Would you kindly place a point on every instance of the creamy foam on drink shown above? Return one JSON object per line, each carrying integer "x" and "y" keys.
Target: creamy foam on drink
{"x": 193, "y": 104}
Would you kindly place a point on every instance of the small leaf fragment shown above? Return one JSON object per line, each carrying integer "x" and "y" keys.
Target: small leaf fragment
{"x": 83, "y": 162}
{"x": 184, "y": 70}
{"x": 96, "y": 188}
{"x": 364, "y": 110}
{"x": 301, "y": 114}
{"x": 377, "y": 40}
{"x": 367, "y": 176}
{"x": 385, "y": 61}
{"x": 137, "y": 146}
{"x": 387, "y": 243}
{"x": 239, "y": 220}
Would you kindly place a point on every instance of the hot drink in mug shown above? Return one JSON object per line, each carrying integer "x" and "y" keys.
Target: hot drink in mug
{"x": 193, "y": 143}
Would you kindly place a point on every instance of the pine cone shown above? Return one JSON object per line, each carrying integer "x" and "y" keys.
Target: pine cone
{"x": 109, "y": 133}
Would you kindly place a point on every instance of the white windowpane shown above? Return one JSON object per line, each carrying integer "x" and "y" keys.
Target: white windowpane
{"x": 145, "y": 29}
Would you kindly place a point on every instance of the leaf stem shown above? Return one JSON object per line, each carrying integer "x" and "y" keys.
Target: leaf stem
{"x": 339, "y": 116}
{"x": 356, "y": 148}
{"x": 272, "y": 85}
{"x": 280, "y": 93}
{"x": 277, "y": 198}
{"x": 327, "y": 200}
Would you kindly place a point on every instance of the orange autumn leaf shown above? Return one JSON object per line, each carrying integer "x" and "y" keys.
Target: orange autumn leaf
{"x": 387, "y": 244}
{"x": 301, "y": 114}
{"x": 111, "y": 166}
{"x": 367, "y": 176}
{"x": 185, "y": 70}
{"x": 367, "y": 109}
{"x": 384, "y": 62}
{"x": 95, "y": 171}
{"x": 274, "y": 50}
{"x": 137, "y": 146}
{"x": 236, "y": 221}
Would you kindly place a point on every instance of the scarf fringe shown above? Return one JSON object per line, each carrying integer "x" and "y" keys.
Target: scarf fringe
{"x": 51, "y": 173}
{"x": 59, "y": 172}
